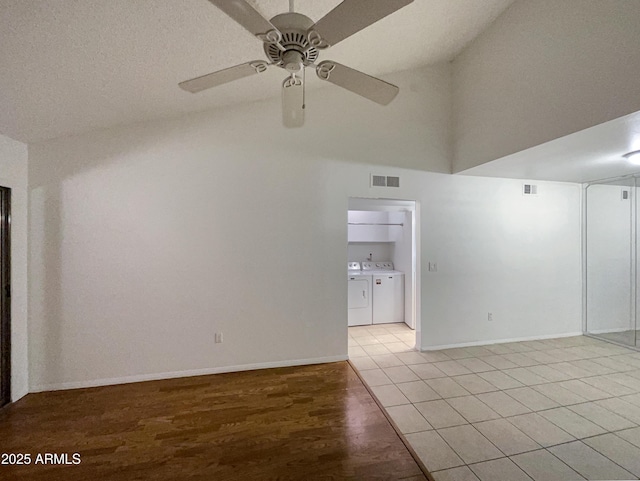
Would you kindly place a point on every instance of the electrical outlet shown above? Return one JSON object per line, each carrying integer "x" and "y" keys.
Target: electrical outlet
{"x": 490, "y": 316}
{"x": 218, "y": 337}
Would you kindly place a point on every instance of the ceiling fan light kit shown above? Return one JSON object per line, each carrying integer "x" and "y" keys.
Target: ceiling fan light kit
{"x": 292, "y": 41}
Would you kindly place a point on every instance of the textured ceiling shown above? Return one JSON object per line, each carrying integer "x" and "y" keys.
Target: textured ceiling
{"x": 69, "y": 66}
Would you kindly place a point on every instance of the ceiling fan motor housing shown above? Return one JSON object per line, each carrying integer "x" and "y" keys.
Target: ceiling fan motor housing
{"x": 297, "y": 53}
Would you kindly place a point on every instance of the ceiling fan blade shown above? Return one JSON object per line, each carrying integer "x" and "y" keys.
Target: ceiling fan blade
{"x": 293, "y": 102}
{"x": 350, "y": 17}
{"x": 357, "y": 82}
{"x": 223, "y": 76}
{"x": 247, "y": 16}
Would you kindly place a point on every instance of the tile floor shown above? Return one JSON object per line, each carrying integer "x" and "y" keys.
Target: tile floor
{"x": 556, "y": 409}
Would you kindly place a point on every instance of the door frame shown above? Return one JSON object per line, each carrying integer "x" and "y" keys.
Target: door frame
{"x": 5, "y": 296}
{"x": 413, "y": 206}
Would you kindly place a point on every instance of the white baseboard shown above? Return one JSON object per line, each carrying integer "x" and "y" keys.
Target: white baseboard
{"x": 499, "y": 341}
{"x": 176, "y": 374}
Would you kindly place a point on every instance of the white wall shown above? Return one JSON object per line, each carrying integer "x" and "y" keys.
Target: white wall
{"x": 544, "y": 69}
{"x": 13, "y": 174}
{"x": 148, "y": 239}
{"x": 499, "y": 251}
{"x": 609, "y": 264}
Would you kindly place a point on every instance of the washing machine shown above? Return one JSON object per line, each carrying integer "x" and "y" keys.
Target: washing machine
{"x": 387, "y": 292}
{"x": 360, "y": 307}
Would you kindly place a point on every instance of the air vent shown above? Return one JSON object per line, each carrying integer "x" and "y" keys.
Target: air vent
{"x": 625, "y": 194}
{"x": 530, "y": 189}
{"x": 393, "y": 181}
{"x": 378, "y": 181}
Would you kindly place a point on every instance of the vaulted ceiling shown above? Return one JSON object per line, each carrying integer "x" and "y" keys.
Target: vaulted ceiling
{"x": 70, "y": 66}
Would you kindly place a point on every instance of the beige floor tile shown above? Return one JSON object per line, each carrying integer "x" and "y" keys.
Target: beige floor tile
{"x": 499, "y": 349}
{"x": 363, "y": 363}
{"x": 435, "y": 356}
{"x": 398, "y": 347}
{"x": 532, "y": 399}
{"x": 447, "y": 387}
{"x": 386, "y": 360}
{"x": 463, "y": 473}
{"x": 457, "y": 353}
{"x": 476, "y": 365}
{"x": 543, "y": 432}
{"x": 588, "y": 462}
{"x": 617, "y": 450}
{"x": 500, "y": 380}
{"x": 418, "y": 391}
{"x": 557, "y": 393}
{"x": 593, "y": 367}
{"x": 542, "y": 357}
{"x": 472, "y": 409}
{"x": 541, "y": 465}
{"x": 499, "y": 470}
{"x": 631, "y": 435}
{"x": 499, "y": 362}
{"x": 400, "y": 374}
{"x": 571, "y": 370}
{"x": 474, "y": 383}
{"x": 521, "y": 359}
{"x": 427, "y": 371}
{"x": 368, "y": 341}
{"x": 563, "y": 354}
{"x": 440, "y": 414}
{"x": 632, "y": 399}
{"x": 408, "y": 419}
{"x": 626, "y": 380}
{"x": 613, "y": 363}
{"x": 376, "y": 350}
{"x": 517, "y": 347}
{"x": 602, "y": 417}
{"x": 503, "y": 404}
{"x": 572, "y": 423}
{"x": 478, "y": 351}
{"x": 607, "y": 385}
{"x": 509, "y": 439}
{"x": 534, "y": 345}
{"x": 356, "y": 351}
{"x": 587, "y": 391}
{"x": 549, "y": 373}
{"x": 622, "y": 408}
{"x": 433, "y": 451}
{"x": 413, "y": 357}
{"x": 389, "y": 395}
{"x": 469, "y": 444}
{"x": 375, "y": 377}
{"x": 387, "y": 338}
{"x": 525, "y": 376}
{"x": 452, "y": 368}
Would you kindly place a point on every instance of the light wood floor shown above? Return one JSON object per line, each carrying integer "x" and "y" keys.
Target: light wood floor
{"x": 309, "y": 422}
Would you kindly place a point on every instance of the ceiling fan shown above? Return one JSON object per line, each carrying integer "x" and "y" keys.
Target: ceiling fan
{"x": 292, "y": 42}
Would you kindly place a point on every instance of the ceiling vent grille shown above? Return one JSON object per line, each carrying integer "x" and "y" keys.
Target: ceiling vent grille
{"x": 384, "y": 181}
{"x": 530, "y": 189}
{"x": 393, "y": 181}
{"x": 378, "y": 181}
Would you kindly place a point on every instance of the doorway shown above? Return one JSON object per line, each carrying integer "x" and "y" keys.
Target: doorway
{"x": 387, "y": 230}
{"x": 5, "y": 296}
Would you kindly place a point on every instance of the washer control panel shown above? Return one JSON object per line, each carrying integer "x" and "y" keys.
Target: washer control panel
{"x": 381, "y": 266}
{"x": 353, "y": 266}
